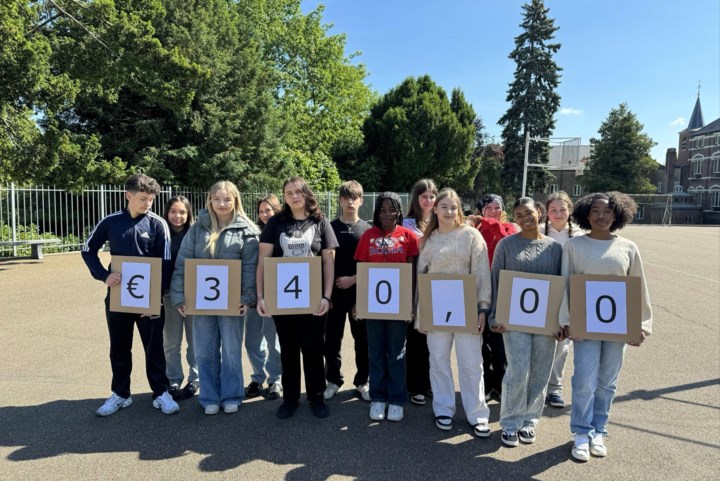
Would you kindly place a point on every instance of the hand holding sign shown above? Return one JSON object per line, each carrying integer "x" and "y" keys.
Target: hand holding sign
{"x": 529, "y": 303}
{"x": 135, "y": 285}
{"x": 448, "y": 302}
{"x": 384, "y": 291}
{"x": 213, "y": 287}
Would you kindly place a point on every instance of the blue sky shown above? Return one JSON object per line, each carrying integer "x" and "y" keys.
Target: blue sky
{"x": 648, "y": 53}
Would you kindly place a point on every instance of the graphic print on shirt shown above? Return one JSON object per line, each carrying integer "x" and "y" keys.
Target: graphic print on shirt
{"x": 298, "y": 243}
{"x": 386, "y": 245}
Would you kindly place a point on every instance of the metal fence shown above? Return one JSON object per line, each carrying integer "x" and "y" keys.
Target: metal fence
{"x": 37, "y": 212}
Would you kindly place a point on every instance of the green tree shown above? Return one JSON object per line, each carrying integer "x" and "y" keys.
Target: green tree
{"x": 533, "y": 99}
{"x": 415, "y": 131}
{"x": 620, "y": 158}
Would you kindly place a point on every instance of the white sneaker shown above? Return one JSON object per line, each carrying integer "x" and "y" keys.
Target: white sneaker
{"x": 581, "y": 448}
{"x": 377, "y": 411}
{"x": 230, "y": 408}
{"x": 597, "y": 445}
{"x": 166, "y": 404}
{"x": 364, "y": 391}
{"x": 331, "y": 390}
{"x": 211, "y": 409}
{"x": 113, "y": 404}
{"x": 395, "y": 413}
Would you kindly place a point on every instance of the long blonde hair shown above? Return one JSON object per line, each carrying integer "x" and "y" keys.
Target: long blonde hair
{"x": 216, "y": 226}
{"x": 459, "y": 221}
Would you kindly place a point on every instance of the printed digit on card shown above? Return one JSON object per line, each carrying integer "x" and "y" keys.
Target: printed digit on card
{"x": 293, "y": 285}
{"x": 606, "y": 307}
{"x": 383, "y": 290}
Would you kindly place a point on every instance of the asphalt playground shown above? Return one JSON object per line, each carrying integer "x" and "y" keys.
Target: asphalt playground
{"x": 54, "y": 373}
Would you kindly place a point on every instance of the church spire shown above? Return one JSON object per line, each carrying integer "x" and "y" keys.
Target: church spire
{"x": 696, "y": 119}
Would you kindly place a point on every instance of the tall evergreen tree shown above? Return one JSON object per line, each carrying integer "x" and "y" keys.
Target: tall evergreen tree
{"x": 533, "y": 98}
{"x": 620, "y": 158}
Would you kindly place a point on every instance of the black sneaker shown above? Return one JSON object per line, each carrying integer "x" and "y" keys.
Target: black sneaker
{"x": 191, "y": 389}
{"x": 254, "y": 389}
{"x": 509, "y": 438}
{"x": 176, "y": 393}
{"x": 320, "y": 409}
{"x": 286, "y": 410}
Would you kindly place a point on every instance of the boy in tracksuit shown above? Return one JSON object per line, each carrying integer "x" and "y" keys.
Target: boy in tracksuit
{"x": 133, "y": 231}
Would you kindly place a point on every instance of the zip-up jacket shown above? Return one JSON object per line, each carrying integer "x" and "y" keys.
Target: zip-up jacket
{"x": 239, "y": 240}
{"x": 147, "y": 235}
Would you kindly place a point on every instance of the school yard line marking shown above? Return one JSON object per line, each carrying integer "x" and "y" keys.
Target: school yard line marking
{"x": 683, "y": 272}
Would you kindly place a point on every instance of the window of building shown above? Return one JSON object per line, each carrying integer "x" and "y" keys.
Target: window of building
{"x": 577, "y": 190}
{"x": 640, "y": 215}
{"x": 659, "y": 187}
{"x": 716, "y": 162}
{"x": 553, "y": 188}
{"x": 683, "y": 145}
{"x": 677, "y": 187}
{"x": 698, "y": 196}
{"x": 715, "y": 196}
{"x": 697, "y": 164}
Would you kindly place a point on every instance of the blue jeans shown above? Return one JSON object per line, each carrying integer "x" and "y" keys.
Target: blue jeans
{"x": 597, "y": 366}
{"x": 263, "y": 347}
{"x": 386, "y": 352}
{"x": 175, "y": 324}
{"x": 221, "y": 376}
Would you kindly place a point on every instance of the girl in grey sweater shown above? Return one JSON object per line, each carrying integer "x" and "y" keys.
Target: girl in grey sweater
{"x": 529, "y": 356}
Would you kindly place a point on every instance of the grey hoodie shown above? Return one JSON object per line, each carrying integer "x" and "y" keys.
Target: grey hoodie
{"x": 239, "y": 240}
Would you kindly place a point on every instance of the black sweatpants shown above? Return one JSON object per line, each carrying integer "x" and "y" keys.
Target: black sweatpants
{"x": 417, "y": 362}
{"x": 343, "y": 301}
{"x": 494, "y": 361}
{"x": 301, "y": 333}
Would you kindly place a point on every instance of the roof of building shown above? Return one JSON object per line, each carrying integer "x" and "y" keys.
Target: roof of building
{"x": 713, "y": 126}
{"x": 696, "y": 119}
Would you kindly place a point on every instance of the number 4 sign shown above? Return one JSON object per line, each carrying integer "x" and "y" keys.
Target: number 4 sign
{"x": 292, "y": 285}
{"x": 448, "y": 302}
{"x": 212, "y": 287}
{"x": 606, "y": 308}
{"x": 384, "y": 291}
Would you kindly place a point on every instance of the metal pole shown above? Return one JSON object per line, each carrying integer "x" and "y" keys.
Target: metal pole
{"x": 102, "y": 201}
{"x": 12, "y": 216}
{"x": 525, "y": 162}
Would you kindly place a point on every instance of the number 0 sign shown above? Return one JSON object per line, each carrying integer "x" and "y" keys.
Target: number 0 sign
{"x": 293, "y": 285}
{"x": 213, "y": 287}
{"x": 139, "y": 290}
{"x": 384, "y": 291}
{"x": 606, "y": 308}
{"x": 529, "y": 302}
{"x": 448, "y": 302}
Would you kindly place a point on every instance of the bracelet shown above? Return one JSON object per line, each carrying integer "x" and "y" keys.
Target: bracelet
{"x": 326, "y": 298}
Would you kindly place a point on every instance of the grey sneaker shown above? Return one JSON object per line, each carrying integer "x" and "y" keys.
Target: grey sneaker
{"x": 113, "y": 404}
{"x": 395, "y": 413}
{"x": 377, "y": 411}
{"x": 364, "y": 391}
{"x": 166, "y": 404}
{"x": 331, "y": 390}
{"x": 509, "y": 438}
{"x": 274, "y": 390}
{"x": 527, "y": 435}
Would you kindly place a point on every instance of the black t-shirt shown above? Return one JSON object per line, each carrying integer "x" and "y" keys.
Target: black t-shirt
{"x": 348, "y": 236}
{"x": 298, "y": 238}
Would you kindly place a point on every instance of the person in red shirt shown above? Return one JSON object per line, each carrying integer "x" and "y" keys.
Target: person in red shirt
{"x": 387, "y": 241}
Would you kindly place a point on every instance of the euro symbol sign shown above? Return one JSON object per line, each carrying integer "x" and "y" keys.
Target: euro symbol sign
{"x": 131, "y": 286}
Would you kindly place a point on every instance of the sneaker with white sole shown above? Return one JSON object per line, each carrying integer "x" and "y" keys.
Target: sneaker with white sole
{"x": 395, "y": 413}
{"x": 166, "y": 404}
{"x": 581, "y": 448}
{"x": 527, "y": 435}
{"x": 211, "y": 409}
{"x": 482, "y": 430}
{"x": 555, "y": 400}
{"x": 113, "y": 404}
{"x": 230, "y": 408}
{"x": 418, "y": 399}
{"x": 274, "y": 390}
{"x": 331, "y": 390}
{"x": 364, "y": 391}
{"x": 377, "y": 411}
{"x": 509, "y": 438}
{"x": 597, "y": 445}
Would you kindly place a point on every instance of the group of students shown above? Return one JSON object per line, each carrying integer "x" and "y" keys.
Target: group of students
{"x": 395, "y": 360}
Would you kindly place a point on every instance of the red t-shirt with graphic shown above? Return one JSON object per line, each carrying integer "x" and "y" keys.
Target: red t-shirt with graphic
{"x": 397, "y": 246}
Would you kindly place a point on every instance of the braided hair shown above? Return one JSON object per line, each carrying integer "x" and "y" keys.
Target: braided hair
{"x": 396, "y": 203}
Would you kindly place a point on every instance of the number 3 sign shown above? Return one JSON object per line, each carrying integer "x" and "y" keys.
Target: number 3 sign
{"x": 212, "y": 287}
{"x": 605, "y": 308}
{"x": 384, "y": 291}
{"x": 292, "y": 285}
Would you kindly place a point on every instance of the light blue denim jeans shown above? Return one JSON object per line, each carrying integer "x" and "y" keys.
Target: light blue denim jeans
{"x": 530, "y": 359}
{"x": 175, "y": 324}
{"x": 594, "y": 381}
{"x": 221, "y": 376}
{"x": 263, "y": 347}
{"x": 386, "y": 352}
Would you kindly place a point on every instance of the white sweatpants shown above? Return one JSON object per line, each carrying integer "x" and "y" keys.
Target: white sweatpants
{"x": 468, "y": 348}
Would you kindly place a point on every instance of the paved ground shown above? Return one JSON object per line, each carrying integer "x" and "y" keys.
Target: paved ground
{"x": 54, "y": 372}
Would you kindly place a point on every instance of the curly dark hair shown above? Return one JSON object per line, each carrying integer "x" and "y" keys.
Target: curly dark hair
{"x": 142, "y": 183}
{"x": 622, "y": 205}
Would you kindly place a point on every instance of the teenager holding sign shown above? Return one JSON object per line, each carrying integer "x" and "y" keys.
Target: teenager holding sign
{"x": 223, "y": 231}
{"x": 560, "y": 227}
{"x": 418, "y": 357}
{"x": 300, "y": 230}
{"x": 387, "y": 241}
{"x": 529, "y": 356}
{"x": 451, "y": 247}
{"x": 261, "y": 341}
{"x": 598, "y": 363}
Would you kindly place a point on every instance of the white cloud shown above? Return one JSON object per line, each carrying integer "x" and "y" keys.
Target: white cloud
{"x": 679, "y": 122}
{"x": 569, "y": 111}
